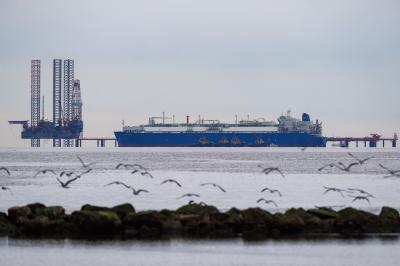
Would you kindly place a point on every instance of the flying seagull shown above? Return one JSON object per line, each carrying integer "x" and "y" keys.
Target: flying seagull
{"x": 66, "y": 173}
{"x": 361, "y": 198}
{"x": 268, "y": 170}
{"x": 325, "y": 166}
{"x": 395, "y": 173}
{"x": 214, "y": 185}
{"x": 327, "y": 189}
{"x": 127, "y": 165}
{"x": 84, "y": 173}
{"x": 84, "y": 165}
{"x": 361, "y": 191}
{"x": 189, "y": 195}
{"x": 44, "y": 172}
{"x": 6, "y": 188}
{"x": 134, "y": 191}
{"x": 272, "y": 191}
{"x": 146, "y": 173}
{"x": 118, "y": 183}
{"x": 5, "y": 169}
{"x": 267, "y": 201}
{"x": 202, "y": 203}
{"x": 65, "y": 185}
{"x": 171, "y": 181}
{"x": 360, "y": 161}
{"x": 345, "y": 168}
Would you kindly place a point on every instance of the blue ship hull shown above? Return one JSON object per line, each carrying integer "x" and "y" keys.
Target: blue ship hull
{"x": 218, "y": 139}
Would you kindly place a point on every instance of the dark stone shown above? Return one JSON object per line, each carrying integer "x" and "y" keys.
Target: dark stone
{"x": 148, "y": 218}
{"x": 324, "y": 213}
{"x": 255, "y": 216}
{"x": 389, "y": 213}
{"x": 88, "y": 207}
{"x": 390, "y": 220}
{"x": 146, "y": 224}
{"x": 197, "y": 209}
{"x": 96, "y": 223}
{"x": 352, "y": 221}
{"x": 19, "y": 215}
{"x": 51, "y": 212}
{"x": 6, "y": 227}
{"x": 292, "y": 222}
{"x": 257, "y": 223}
{"x": 123, "y": 209}
{"x": 36, "y": 207}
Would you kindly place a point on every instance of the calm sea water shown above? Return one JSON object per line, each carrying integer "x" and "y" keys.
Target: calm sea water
{"x": 235, "y": 169}
{"x": 370, "y": 252}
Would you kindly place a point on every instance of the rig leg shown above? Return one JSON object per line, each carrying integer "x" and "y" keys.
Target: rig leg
{"x": 372, "y": 144}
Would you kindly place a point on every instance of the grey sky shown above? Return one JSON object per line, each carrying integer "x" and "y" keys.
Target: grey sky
{"x": 337, "y": 60}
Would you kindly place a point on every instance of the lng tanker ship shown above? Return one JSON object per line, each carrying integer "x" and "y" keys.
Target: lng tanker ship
{"x": 288, "y": 132}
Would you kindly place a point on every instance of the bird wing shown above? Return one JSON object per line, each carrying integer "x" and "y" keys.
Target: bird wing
{"x": 71, "y": 180}
{"x": 352, "y": 155}
{"x": 82, "y": 162}
{"x": 352, "y": 164}
{"x": 118, "y": 183}
{"x": 366, "y": 159}
{"x": 279, "y": 171}
{"x": 59, "y": 181}
{"x": 206, "y": 184}
{"x": 273, "y": 202}
{"x": 387, "y": 169}
{"x": 264, "y": 189}
{"x": 5, "y": 169}
{"x": 142, "y": 190}
{"x": 119, "y": 165}
{"x": 176, "y": 182}
{"x": 259, "y": 200}
{"x": 223, "y": 190}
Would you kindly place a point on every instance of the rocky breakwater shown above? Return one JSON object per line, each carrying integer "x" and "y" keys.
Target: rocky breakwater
{"x": 191, "y": 221}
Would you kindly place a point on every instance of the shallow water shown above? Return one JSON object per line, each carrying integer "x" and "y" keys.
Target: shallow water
{"x": 232, "y": 252}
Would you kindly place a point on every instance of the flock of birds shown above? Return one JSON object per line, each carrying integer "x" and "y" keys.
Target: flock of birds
{"x": 354, "y": 193}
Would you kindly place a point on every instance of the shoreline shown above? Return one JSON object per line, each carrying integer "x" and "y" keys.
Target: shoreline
{"x": 195, "y": 221}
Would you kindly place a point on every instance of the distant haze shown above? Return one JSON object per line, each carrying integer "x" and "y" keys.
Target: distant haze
{"x": 337, "y": 60}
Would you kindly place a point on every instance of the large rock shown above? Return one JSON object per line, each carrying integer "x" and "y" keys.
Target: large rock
{"x": 146, "y": 224}
{"x": 351, "y": 221}
{"x": 6, "y": 227}
{"x": 52, "y": 212}
{"x": 390, "y": 220}
{"x": 257, "y": 224}
{"x": 35, "y": 207}
{"x": 123, "y": 209}
{"x": 324, "y": 213}
{"x": 389, "y": 213}
{"x": 96, "y": 223}
{"x": 19, "y": 215}
{"x": 88, "y": 207}
{"x": 198, "y": 209}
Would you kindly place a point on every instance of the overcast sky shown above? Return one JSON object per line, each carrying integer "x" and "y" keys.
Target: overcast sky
{"x": 337, "y": 60}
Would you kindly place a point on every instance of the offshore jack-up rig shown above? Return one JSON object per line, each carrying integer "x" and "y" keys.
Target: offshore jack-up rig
{"x": 67, "y": 122}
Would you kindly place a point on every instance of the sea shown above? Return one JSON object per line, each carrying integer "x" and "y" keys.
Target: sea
{"x": 237, "y": 170}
